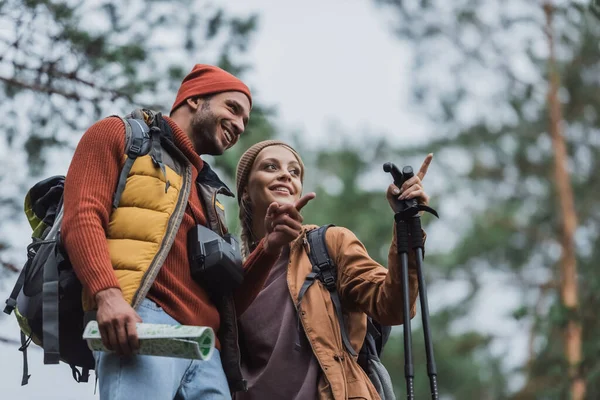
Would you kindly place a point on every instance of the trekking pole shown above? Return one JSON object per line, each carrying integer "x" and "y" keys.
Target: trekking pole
{"x": 402, "y": 246}
{"x": 408, "y": 229}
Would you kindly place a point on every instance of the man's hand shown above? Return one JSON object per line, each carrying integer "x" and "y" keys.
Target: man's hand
{"x": 116, "y": 320}
{"x": 412, "y": 188}
{"x": 283, "y": 223}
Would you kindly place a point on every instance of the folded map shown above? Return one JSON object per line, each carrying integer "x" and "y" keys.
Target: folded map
{"x": 181, "y": 341}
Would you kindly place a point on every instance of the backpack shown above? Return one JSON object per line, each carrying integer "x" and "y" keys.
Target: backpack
{"x": 324, "y": 269}
{"x": 46, "y": 298}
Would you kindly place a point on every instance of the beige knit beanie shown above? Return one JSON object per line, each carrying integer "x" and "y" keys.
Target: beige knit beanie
{"x": 247, "y": 160}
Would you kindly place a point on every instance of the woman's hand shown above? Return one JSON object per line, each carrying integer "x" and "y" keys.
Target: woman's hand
{"x": 411, "y": 189}
{"x": 283, "y": 223}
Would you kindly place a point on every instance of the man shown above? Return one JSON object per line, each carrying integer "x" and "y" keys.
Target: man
{"x": 132, "y": 260}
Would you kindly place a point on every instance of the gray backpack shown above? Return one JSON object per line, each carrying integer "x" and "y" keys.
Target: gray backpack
{"x": 46, "y": 298}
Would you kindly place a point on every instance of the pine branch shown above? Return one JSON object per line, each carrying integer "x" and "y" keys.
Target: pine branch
{"x": 40, "y": 88}
{"x": 70, "y": 76}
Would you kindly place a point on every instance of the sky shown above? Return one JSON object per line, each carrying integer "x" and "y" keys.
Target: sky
{"x": 324, "y": 66}
{"x": 321, "y": 68}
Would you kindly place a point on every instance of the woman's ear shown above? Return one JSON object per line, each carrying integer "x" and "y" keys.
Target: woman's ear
{"x": 245, "y": 196}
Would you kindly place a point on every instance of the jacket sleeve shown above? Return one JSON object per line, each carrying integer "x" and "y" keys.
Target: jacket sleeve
{"x": 256, "y": 271}
{"x": 367, "y": 285}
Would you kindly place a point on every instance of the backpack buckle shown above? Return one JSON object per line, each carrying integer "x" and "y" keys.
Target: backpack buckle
{"x": 11, "y": 304}
{"x": 136, "y": 147}
{"x": 31, "y": 252}
{"x": 328, "y": 280}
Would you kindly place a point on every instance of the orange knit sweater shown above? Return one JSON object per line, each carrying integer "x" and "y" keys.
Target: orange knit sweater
{"x": 89, "y": 186}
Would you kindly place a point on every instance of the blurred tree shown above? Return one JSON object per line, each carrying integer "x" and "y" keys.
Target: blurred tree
{"x": 483, "y": 74}
{"x": 65, "y": 64}
{"x": 568, "y": 218}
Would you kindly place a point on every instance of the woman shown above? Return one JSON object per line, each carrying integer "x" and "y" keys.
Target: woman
{"x": 269, "y": 185}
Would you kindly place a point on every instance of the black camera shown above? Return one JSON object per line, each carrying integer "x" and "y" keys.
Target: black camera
{"x": 215, "y": 261}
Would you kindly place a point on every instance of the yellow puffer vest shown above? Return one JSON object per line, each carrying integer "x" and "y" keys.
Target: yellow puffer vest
{"x": 142, "y": 228}
{"x": 138, "y": 227}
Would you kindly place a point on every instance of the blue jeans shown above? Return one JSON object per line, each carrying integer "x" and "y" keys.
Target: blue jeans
{"x": 160, "y": 378}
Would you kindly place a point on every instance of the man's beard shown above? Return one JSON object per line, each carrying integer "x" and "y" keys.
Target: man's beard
{"x": 204, "y": 132}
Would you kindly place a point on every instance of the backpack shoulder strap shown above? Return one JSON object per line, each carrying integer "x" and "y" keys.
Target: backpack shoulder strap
{"x": 324, "y": 269}
{"x": 50, "y": 296}
{"x": 137, "y": 143}
{"x": 319, "y": 258}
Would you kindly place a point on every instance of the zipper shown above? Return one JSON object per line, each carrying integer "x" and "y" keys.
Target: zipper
{"x": 214, "y": 206}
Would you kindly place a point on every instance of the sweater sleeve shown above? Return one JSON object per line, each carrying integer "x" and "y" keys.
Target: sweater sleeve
{"x": 257, "y": 268}
{"x": 89, "y": 186}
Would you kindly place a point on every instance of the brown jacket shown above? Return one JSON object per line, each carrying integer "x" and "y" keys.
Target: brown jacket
{"x": 365, "y": 287}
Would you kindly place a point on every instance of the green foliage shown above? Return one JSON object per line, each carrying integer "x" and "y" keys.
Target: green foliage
{"x": 491, "y": 110}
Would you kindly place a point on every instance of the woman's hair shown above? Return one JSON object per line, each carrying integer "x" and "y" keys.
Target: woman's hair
{"x": 248, "y": 241}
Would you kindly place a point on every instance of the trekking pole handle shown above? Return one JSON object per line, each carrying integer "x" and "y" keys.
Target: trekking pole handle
{"x": 396, "y": 174}
{"x": 407, "y": 172}
{"x": 399, "y": 179}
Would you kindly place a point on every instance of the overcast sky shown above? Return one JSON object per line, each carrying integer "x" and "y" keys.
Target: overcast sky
{"x": 334, "y": 60}
{"x": 318, "y": 66}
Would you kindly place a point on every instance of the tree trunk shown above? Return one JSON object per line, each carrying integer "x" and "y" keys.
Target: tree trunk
{"x": 567, "y": 265}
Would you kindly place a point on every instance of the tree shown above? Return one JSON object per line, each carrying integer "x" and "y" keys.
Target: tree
{"x": 482, "y": 71}
{"x": 564, "y": 189}
{"x": 65, "y": 64}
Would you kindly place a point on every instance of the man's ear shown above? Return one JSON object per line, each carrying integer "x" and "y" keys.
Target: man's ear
{"x": 194, "y": 102}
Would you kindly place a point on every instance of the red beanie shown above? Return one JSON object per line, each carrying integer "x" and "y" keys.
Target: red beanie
{"x": 207, "y": 79}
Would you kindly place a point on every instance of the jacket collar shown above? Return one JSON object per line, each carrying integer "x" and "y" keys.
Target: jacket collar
{"x": 208, "y": 177}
